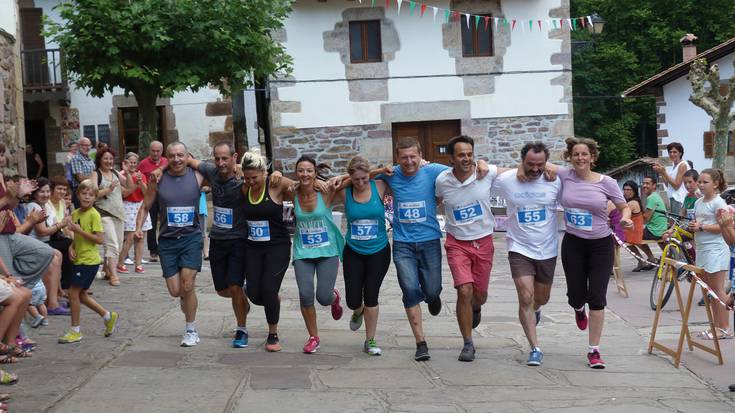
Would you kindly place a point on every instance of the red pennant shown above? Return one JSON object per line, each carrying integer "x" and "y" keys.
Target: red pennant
{"x": 513, "y": 26}
{"x": 487, "y": 21}
{"x": 456, "y": 16}
{"x": 387, "y": 4}
{"x": 561, "y": 23}
{"x": 539, "y": 24}
{"x": 423, "y": 9}
{"x": 583, "y": 22}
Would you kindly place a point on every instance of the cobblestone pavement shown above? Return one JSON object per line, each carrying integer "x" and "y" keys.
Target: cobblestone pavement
{"x": 141, "y": 367}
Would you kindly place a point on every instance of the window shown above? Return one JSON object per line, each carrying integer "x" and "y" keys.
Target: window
{"x": 477, "y": 40}
{"x": 365, "y": 42}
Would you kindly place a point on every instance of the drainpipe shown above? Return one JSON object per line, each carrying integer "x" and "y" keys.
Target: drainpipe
{"x": 262, "y": 106}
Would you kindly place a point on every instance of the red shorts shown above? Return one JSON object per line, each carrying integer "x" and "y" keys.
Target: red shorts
{"x": 470, "y": 261}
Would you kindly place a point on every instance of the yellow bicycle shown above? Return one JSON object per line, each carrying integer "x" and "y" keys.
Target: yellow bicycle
{"x": 679, "y": 247}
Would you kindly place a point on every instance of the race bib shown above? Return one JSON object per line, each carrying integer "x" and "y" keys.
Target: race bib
{"x": 690, "y": 214}
{"x": 467, "y": 213}
{"x": 314, "y": 237}
{"x": 364, "y": 229}
{"x": 578, "y": 218}
{"x": 180, "y": 216}
{"x": 531, "y": 215}
{"x": 259, "y": 231}
{"x": 222, "y": 217}
{"x": 411, "y": 212}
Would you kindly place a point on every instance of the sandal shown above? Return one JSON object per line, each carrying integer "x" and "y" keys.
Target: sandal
{"x": 721, "y": 335}
{"x": 4, "y": 397}
{"x": 114, "y": 281}
{"x": 5, "y": 359}
{"x": 7, "y": 378}
{"x": 18, "y": 352}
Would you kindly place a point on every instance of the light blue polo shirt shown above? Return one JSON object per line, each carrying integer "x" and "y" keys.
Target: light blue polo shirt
{"x": 414, "y": 203}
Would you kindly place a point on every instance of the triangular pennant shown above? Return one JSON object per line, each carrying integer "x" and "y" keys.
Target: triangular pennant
{"x": 477, "y": 22}
{"x": 554, "y": 21}
{"x": 589, "y": 20}
{"x": 570, "y": 24}
{"x": 487, "y": 22}
{"x": 446, "y": 15}
{"x": 539, "y": 25}
{"x": 467, "y": 17}
{"x": 372, "y": 3}
{"x": 583, "y": 21}
{"x": 399, "y": 5}
{"x": 436, "y": 9}
{"x": 530, "y": 25}
{"x": 387, "y": 4}
{"x": 513, "y": 26}
{"x": 496, "y": 19}
{"x": 412, "y": 6}
{"x": 574, "y": 24}
{"x": 423, "y": 10}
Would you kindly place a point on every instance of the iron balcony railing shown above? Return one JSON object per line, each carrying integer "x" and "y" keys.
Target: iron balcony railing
{"x": 42, "y": 70}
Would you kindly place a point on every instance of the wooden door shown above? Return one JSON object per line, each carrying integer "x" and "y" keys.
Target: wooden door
{"x": 432, "y": 135}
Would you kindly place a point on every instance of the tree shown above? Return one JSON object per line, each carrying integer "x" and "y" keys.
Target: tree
{"x": 641, "y": 38}
{"x": 713, "y": 101}
{"x": 154, "y": 48}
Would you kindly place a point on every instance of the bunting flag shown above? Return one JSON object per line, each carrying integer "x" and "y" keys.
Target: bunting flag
{"x": 500, "y": 23}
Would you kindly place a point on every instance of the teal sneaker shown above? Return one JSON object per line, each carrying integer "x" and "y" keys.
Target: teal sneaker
{"x": 535, "y": 357}
{"x": 241, "y": 339}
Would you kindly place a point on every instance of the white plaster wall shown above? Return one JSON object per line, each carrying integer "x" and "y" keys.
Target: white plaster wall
{"x": 686, "y": 122}
{"x": 9, "y": 16}
{"x": 420, "y": 54}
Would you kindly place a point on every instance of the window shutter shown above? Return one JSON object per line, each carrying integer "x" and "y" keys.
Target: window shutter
{"x": 709, "y": 144}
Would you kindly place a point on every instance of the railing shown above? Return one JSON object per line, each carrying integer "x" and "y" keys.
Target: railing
{"x": 42, "y": 70}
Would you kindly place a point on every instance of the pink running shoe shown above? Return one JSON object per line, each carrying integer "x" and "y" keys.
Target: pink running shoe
{"x": 581, "y": 319}
{"x": 595, "y": 361}
{"x": 336, "y": 306}
{"x": 312, "y": 345}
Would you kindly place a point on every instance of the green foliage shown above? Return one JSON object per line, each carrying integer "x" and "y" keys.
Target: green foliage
{"x": 159, "y": 47}
{"x": 640, "y": 39}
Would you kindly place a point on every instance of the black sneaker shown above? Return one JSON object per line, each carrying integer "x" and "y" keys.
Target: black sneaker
{"x": 435, "y": 306}
{"x": 468, "y": 353}
{"x": 422, "y": 352}
{"x": 476, "y": 317}
{"x": 732, "y": 387}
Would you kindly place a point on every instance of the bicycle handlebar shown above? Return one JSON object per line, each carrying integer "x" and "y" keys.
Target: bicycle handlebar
{"x": 672, "y": 216}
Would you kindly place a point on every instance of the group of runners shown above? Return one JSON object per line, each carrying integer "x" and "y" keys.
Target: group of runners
{"x": 251, "y": 247}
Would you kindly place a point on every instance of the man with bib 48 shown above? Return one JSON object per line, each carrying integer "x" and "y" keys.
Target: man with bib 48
{"x": 180, "y": 238}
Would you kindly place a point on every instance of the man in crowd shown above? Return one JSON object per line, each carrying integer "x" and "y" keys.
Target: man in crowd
{"x": 656, "y": 223}
{"x": 180, "y": 244}
{"x": 81, "y": 166}
{"x": 532, "y": 237}
{"x": 153, "y": 161}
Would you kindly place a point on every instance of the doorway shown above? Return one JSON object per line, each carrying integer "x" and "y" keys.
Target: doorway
{"x": 36, "y": 137}
{"x": 432, "y": 135}
{"x": 129, "y": 131}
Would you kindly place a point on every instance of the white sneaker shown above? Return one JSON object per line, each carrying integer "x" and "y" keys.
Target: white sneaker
{"x": 128, "y": 261}
{"x": 190, "y": 339}
{"x": 144, "y": 261}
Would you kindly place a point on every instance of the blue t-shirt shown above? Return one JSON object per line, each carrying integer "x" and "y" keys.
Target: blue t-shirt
{"x": 414, "y": 203}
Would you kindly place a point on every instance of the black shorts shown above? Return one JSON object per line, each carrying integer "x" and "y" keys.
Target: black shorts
{"x": 227, "y": 261}
{"x": 83, "y": 275}
{"x": 648, "y": 236}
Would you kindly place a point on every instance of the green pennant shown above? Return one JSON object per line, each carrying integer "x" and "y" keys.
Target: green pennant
{"x": 477, "y": 21}
{"x": 373, "y": 3}
{"x": 554, "y": 21}
{"x": 446, "y": 15}
{"x": 530, "y": 25}
{"x": 412, "y": 6}
{"x": 574, "y": 24}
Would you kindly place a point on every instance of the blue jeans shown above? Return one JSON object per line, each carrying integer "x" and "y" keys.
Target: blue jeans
{"x": 419, "y": 267}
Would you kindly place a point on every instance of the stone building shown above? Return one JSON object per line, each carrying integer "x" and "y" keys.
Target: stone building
{"x": 11, "y": 98}
{"x": 365, "y": 75}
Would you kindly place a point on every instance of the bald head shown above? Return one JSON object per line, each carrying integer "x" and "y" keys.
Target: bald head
{"x": 155, "y": 151}
{"x": 84, "y": 145}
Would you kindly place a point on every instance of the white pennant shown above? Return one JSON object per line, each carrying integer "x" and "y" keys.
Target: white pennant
{"x": 548, "y": 24}
{"x": 467, "y": 17}
{"x": 496, "y": 19}
{"x": 570, "y": 23}
{"x": 399, "y": 5}
{"x": 589, "y": 19}
{"x": 436, "y": 10}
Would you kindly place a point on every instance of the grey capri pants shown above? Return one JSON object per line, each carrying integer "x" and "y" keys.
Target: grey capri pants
{"x": 326, "y": 276}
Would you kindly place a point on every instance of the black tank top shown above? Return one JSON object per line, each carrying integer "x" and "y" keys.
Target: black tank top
{"x": 265, "y": 221}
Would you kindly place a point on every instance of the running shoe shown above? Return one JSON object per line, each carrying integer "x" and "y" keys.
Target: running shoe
{"x": 190, "y": 339}
{"x": 111, "y": 324}
{"x": 371, "y": 347}
{"x": 44, "y": 322}
{"x": 154, "y": 258}
{"x": 435, "y": 306}
{"x": 336, "y": 306}
{"x": 467, "y": 353}
{"x": 70, "y": 336}
{"x": 272, "y": 344}
{"x": 241, "y": 339}
{"x": 595, "y": 361}
{"x": 581, "y": 318}
{"x": 538, "y": 316}
{"x": 311, "y": 345}
{"x": 59, "y": 311}
{"x": 122, "y": 269}
{"x": 139, "y": 269}
{"x": 37, "y": 321}
{"x": 476, "y": 317}
{"x": 422, "y": 352}
{"x": 356, "y": 320}
{"x": 535, "y": 358}
{"x": 128, "y": 261}
{"x": 143, "y": 261}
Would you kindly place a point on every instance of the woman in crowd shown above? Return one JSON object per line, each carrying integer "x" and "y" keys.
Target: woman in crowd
{"x": 366, "y": 255}
{"x": 634, "y": 236}
{"x": 317, "y": 248}
{"x": 50, "y": 231}
{"x": 109, "y": 204}
{"x": 587, "y": 250}
{"x": 713, "y": 254}
{"x": 674, "y": 176}
{"x": 269, "y": 243}
{"x": 132, "y": 200}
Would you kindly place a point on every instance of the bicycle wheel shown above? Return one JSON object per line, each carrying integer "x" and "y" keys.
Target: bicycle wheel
{"x": 670, "y": 251}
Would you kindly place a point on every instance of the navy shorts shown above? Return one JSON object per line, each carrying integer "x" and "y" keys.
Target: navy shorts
{"x": 83, "y": 275}
{"x": 227, "y": 261}
{"x": 178, "y": 253}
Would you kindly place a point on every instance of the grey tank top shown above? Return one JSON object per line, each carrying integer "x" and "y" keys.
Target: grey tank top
{"x": 178, "y": 204}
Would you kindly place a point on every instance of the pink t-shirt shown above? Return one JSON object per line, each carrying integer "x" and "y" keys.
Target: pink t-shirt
{"x": 585, "y": 204}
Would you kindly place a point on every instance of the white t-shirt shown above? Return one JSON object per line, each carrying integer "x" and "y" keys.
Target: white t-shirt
{"x": 677, "y": 194}
{"x": 50, "y": 220}
{"x": 706, "y": 214}
{"x": 467, "y": 204}
{"x": 532, "y": 210}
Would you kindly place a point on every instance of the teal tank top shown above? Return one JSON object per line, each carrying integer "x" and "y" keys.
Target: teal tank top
{"x": 366, "y": 232}
{"x": 316, "y": 234}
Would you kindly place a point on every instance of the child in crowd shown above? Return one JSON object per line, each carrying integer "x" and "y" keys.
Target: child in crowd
{"x": 88, "y": 233}
{"x": 690, "y": 183}
{"x": 37, "y": 308}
